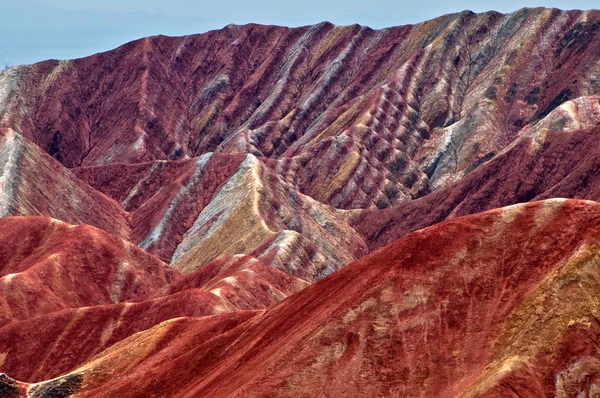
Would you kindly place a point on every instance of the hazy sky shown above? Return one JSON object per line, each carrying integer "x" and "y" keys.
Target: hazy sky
{"x": 34, "y": 30}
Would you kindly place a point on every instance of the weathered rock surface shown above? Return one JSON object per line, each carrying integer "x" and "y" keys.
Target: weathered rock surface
{"x": 242, "y": 282}
{"x": 487, "y": 305}
{"x": 203, "y": 183}
{"x": 192, "y": 212}
{"x": 34, "y": 184}
{"x": 349, "y": 116}
{"x": 557, "y": 157}
{"x": 255, "y": 212}
{"x": 392, "y": 114}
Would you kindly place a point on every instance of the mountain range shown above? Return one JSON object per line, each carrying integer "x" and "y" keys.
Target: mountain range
{"x": 315, "y": 211}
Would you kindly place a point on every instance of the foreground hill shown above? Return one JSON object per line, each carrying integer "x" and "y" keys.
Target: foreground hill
{"x": 47, "y": 265}
{"x": 69, "y": 292}
{"x": 493, "y": 304}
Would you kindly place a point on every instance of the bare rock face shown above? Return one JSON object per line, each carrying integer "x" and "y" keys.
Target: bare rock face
{"x": 477, "y": 306}
{"x": 317, "y": 211}
{"x": 34, "y": 184}
{"x": 393, "y": 114}
{"x": 11, "y": 388}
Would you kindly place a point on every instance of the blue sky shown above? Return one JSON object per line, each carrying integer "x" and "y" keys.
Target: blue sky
{"x": 34, "y": 30}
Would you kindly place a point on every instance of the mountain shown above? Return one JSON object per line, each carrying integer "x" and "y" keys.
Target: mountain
{"x": 89, "y": 289}
{"x": 34, "y": 184}
{"x": 494, "y": 304}
{"x": 315, "y": 211}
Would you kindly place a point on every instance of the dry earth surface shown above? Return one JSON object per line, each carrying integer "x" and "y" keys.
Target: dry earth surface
{"x": 315, "y": 211}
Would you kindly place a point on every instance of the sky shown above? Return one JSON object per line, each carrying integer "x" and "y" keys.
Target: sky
{"x": 35, "y": 30}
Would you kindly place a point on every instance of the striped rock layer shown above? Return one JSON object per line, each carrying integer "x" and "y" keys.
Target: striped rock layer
{"x": 314, "y": 211}
{"x": 501, "y": 303}
{"x": 392, "y": 114}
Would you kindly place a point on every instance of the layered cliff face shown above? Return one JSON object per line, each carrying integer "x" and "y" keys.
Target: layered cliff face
{"x": 323, "y": 210}
{"x": 194, "y": 211}
{"x": 393, "y": 113}
{"x": 556, "y": 157}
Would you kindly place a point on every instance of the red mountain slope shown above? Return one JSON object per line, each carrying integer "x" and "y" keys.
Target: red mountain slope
{"x": 266, "y": 211}
{"x": 66, "y": 278}
{"x": 47, "y": 265}
{"x": 477, "y": 306}
{"x": 392, "y": 114}
{"x": 34, "y": 184}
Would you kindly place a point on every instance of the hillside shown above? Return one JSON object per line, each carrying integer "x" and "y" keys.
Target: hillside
{"x": 314, "y": 211}
{"x": 499, "y": 303}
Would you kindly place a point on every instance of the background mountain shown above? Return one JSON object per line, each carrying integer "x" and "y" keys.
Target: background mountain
{"x": 262, "y": 210}
{"x": 35, "y": 30}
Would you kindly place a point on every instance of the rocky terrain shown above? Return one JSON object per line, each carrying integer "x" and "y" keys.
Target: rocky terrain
{"x": 315, "y": 211}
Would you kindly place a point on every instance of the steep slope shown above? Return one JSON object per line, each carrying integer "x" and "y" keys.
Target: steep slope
{"x": 69, "y": 338}
{"x": 256, "y": 213}
{"x": 47, "y": 265}
{"x": 59, "y": 283}
{"x": 167, "y": 208}
{"x": 496, "y": 303}
{"x": 34, "y": 184}
{"x": 557, "y": 157}
{"x": 194, "y": 211}
{"x": 392, "y": 114}
{"x": 163, "y": 198}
